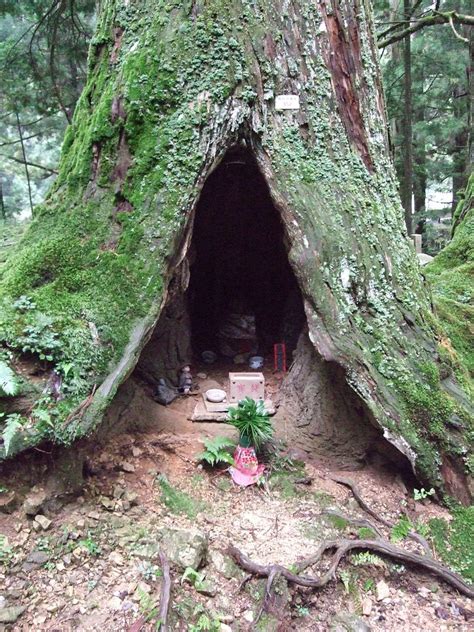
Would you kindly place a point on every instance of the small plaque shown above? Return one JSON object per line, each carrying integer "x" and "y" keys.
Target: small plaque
{"x": 287, "y": 102}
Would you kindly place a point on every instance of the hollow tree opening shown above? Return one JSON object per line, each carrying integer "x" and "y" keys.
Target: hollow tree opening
{"x": 239, "y": 265}
{"x": 236, "y": 273}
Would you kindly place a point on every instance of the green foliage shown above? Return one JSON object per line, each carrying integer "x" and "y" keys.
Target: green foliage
{"x": 365, "y": 533}
{"x": 9, "y": 385}
{"x": 194, "y": 577}
{"x": 454, "y": 540}
{"x": 401, "y": 529}
{"x": 178, "y": 502}
{"x": 366, "y": 558}
{"x": 217, "y": 451}
{"x": 13, "y": 424}
{"x": 205, "y": 623}
{"x": 90, "y": 545}
{"x": 422, "y": 494}
{"x": 6, "y": 551}
{"x": 252, "y": 422}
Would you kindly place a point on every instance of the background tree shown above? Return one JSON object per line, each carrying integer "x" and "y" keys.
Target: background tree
{"x": 43, "y": 54}
{"x": 439, "y": 60}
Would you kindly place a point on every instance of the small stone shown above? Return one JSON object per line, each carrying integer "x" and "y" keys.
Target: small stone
{"x": 202, "y": 376}
{"x": 383, "y": 591}
{"x": 115, "y": 603}
{"x": 11, "y": 614}
{"x": 118, "y": 491}
{"x": 130, "y": 497}
{"x": 127, "y": 467}
{"x": 136, "y": 452}
{"x": 248, "y": 616}
{"x": 367, "y": 606}
{"x": 34, "y": 501}
{"x": 37, "y": 558}
{"x": 95, "y": 515}
{"x": 116, "y": 558}
{"x": 225, "y": 628}
{"x": 3, "y": 602}
{"x": 44, "y": 522}
{"x": 108, "y": 503}
{"x": 81, "y": 523}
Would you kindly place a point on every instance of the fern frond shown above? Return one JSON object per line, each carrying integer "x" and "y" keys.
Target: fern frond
{"x": 8, "y": 380}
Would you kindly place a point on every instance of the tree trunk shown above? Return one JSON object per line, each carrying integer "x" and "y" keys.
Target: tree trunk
{"x": 172, "y": 88}
{"x": 407, "y": 145}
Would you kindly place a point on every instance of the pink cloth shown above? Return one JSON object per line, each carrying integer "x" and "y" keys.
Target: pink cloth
{"x": 246, "y": 469}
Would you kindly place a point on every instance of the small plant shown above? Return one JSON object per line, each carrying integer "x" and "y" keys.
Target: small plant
{"x": 401, "y": 529}
{"x": 252, "y": 421}
{"x": 302, "y": 611}
{"x": 149, "y": 571}
{"x": 366, "y": 558}
{"x": 24, "y": 304}
{"x": 147, "y": 607}
{"x": 217, "y": 451}
{"x": 90, "y": 545}
{"x": 6, "y": 551}
{"x": 422, "y": 494}
{"x": 205, "y": 624}
{"x": 369, "y": 585}
{"x": 193, "y": 577}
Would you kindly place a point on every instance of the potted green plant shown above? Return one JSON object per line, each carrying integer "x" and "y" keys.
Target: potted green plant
{"x": 253, "y": 423}
{"x": 254, "y": 426}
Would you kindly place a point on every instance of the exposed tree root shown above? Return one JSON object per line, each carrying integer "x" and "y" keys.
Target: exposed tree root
{"x": 412, "y": 535}
{"x": 342, "y": 547}
{"x": 165, "y": 593}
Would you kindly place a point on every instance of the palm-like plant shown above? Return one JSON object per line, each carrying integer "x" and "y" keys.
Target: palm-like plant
{"x": 252, "y": 421}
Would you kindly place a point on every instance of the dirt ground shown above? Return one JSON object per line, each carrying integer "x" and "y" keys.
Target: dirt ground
{"x": 95, "y": 566}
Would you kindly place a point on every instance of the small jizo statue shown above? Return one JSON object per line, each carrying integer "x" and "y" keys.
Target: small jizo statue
{"x": 185, "y": 380}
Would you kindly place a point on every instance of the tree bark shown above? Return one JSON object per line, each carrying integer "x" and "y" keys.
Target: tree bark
{"x": 406, "y": 188}
{"x": 171, "y": 88}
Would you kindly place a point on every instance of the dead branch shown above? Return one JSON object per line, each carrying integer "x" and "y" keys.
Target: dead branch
{"x": 435, "y": 17}
{"x": 412, "y": 535}
{"x": 165, "y": 592}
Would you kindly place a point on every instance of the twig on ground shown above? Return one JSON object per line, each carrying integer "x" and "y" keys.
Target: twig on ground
{"x": 416, "y": 537}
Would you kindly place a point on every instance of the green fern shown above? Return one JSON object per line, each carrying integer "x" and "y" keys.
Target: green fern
{"x": 8, "y": 380}
{"x": 217, "y": 451}
{"x": 12, "y": 426}
{"x": 401, "y": 529}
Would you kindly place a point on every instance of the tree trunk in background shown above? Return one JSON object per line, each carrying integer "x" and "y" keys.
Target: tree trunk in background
{"x": 406, "y": 189}
{"x": 172, "y": 87}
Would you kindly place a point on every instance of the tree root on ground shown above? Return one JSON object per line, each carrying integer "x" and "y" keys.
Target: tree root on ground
{"x": 412, "y": 535}
{"x": 165, "y": 592}
{"x": 342, "y": 547}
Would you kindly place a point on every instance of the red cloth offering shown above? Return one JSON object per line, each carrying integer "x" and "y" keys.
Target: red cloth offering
{"x": 246, "y": 469}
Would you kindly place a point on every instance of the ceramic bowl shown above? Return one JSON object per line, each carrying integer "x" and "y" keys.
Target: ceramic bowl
{"x": 215, "y": 395}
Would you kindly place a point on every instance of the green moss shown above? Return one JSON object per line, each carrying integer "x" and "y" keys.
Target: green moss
{"x": 454, "y": 540}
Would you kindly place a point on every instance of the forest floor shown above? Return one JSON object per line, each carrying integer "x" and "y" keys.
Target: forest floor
{"x": 92, "y": 564}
